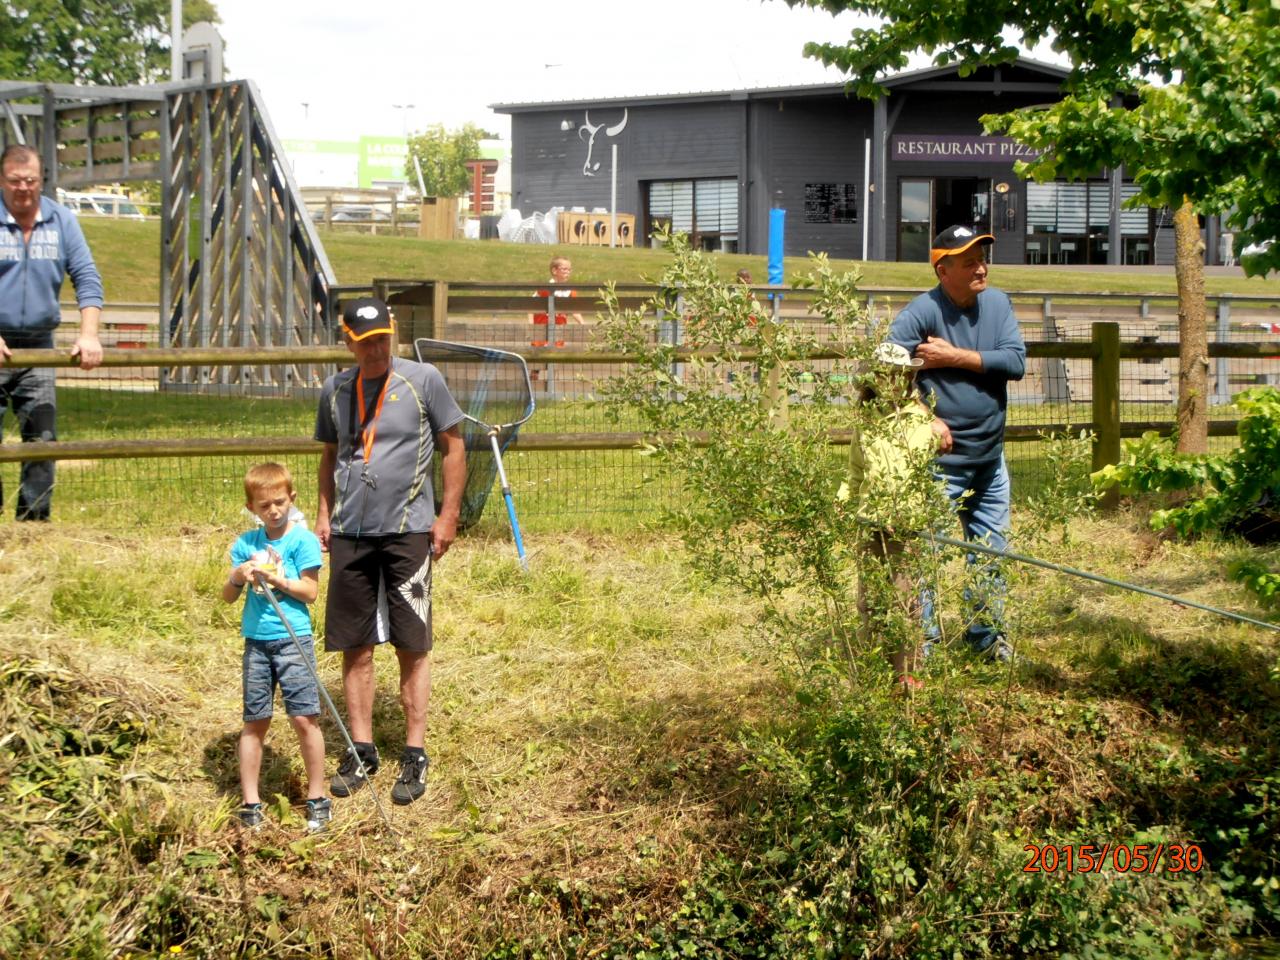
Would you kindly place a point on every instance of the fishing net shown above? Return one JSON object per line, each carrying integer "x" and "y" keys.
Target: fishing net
{"x": 492, "y": 387}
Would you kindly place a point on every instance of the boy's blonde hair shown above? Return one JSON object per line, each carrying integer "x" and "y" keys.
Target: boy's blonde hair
{"x": 267, "y": 476}
{"x": 555, "y": 260}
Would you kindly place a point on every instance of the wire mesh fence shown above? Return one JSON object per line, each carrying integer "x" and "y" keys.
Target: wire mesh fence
{"x": 577, "y": 462}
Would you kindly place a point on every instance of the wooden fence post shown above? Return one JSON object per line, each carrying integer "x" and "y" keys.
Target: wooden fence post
{"x": 439, "y": 309}
{"x": 1106, "y": 401}
{"x": 773, "y": 399}
{"x": 1222, "y": 380}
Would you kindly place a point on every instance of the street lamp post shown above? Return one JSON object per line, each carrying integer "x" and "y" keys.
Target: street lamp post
{"x": 404, "y": 116}
{"x": 175, "y": 40}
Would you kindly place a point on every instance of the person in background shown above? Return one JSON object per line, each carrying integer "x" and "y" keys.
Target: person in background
{"x": 561, "y": 270}
{"x": 897, "y": 443}
{"x": 967, "y": 336}
{"x": 40, "y": 244}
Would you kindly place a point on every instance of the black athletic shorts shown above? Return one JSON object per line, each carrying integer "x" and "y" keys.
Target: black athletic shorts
{"x": 403, "y": 562}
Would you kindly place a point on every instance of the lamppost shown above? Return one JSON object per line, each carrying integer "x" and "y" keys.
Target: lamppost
{"x": 175, "y": 40}
{"x": 404, "y": 116}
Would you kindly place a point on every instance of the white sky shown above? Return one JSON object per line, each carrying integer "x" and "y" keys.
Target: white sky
{"x": 351, "y": 62}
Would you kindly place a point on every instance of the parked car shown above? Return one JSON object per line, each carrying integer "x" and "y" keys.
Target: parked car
{"x": 1256, "y": 248}
{"x": 101, "y": 204}
{"x": 360, "y": 213}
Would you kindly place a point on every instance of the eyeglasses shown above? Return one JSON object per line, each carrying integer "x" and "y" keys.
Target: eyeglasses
{"x": 22, "y": 181}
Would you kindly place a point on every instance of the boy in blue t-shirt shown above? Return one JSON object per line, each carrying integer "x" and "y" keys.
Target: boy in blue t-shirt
{"x": 285, "y": 556}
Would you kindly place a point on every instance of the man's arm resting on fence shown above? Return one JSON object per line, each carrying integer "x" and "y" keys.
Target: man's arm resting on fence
{"x": 87, "y": 346}
{"x": 453, "y": 472}
{"x": 325, "y": 486}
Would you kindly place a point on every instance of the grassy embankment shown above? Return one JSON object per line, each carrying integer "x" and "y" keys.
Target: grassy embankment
{"x": 128, "y": 256}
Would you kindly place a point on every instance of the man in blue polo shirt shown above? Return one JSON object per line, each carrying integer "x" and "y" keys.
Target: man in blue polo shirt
{"x": 40, "y": 244}
{"x": 968, "y": 337}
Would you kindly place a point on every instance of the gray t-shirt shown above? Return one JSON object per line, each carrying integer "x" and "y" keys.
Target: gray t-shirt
{"x": 391, "y": 494}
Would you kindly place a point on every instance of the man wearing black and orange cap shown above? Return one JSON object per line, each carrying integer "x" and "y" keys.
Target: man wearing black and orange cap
{"x": 968, "y": 337}
{"x": 380, "y": 422}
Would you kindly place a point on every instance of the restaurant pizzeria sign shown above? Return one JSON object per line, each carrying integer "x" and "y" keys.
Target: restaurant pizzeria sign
{"x": 932, "y": 148}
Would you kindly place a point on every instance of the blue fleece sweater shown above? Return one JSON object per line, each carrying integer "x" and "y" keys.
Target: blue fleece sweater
{"x": 971, "y": 404}
{"x": 31, "y": 273}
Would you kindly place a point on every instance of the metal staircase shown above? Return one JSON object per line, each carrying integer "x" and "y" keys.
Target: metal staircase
{"x": 241, "y": 263}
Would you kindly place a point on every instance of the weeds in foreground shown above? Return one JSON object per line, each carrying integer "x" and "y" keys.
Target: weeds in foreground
{"x": 618, "y": 770}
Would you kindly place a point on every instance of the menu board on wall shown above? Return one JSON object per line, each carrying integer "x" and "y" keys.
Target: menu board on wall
{"x": 830, "y": 203}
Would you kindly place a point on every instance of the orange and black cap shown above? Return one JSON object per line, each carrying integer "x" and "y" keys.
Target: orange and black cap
{"x": 954, "y": 240}
{"x": 366, "y": 317}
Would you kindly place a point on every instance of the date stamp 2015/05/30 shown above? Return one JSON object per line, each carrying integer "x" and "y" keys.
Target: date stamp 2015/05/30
{"x": 1120, "y": 857}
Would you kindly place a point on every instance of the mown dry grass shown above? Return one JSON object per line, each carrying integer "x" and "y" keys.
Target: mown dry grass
{"x": 583, "y": 731}
{"x": 592, "y": 725}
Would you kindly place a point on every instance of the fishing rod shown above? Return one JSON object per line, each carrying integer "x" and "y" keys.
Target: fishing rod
{"x": 1096, "y": 577}
{"x": 333, "y": 710}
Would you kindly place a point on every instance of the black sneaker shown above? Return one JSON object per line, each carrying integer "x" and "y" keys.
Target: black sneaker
{"x": 999, "y": 650}
{"x": 319, "y": 813}
{"x": 349, "y": 777}
{"x": 250, "y": 815}
{"x": 412, "y": 782}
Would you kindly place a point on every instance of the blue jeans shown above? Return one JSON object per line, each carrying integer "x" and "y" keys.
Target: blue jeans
{"x": 275, "y": 663}
{"x": 30, "y": 391}
{"x": 984, "y": 517}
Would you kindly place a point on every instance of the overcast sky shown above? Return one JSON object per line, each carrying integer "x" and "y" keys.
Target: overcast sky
{"x": 352, "y": 62}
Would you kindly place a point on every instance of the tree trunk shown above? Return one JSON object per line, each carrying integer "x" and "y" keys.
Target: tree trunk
{"x": 1193, "y": 338}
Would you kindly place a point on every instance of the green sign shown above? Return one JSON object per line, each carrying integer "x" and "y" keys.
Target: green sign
{"x": 367, "y": 162}
{"x": 382, "y": 159}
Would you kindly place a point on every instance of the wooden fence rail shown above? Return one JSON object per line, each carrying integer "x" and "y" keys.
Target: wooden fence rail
{"x": 1104, "y": 351}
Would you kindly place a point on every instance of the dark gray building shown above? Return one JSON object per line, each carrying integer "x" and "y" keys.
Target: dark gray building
{"x": 894, "y": 171}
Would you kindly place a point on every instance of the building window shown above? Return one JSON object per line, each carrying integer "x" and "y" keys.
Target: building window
{"x": 1071, "y": 223}
{"x": 915, "y": 220}
{"x": 707, "y": 210}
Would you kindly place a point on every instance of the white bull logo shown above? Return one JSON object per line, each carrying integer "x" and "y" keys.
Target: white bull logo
{"x": 591, "y": 129}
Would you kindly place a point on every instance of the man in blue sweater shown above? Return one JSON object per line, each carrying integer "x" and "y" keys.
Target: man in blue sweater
{"x": 40, "y": 243}
{"x": 968, "y": 337}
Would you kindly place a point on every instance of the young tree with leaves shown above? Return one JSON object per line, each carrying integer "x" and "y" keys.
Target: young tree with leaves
{"x": 1184, "y": 94}
{"x": 443, "y": 155}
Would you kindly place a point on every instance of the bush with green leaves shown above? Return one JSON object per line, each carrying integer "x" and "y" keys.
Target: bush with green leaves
{"x": 1234, "y": 492}
{"x": 747, "y": 422}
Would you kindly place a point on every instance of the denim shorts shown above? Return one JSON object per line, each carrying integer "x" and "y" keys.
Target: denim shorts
{"x": 272, "y": 663}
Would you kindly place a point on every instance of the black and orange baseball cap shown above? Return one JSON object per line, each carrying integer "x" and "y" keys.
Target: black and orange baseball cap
{"x": 955, "y": 240}
{"x": 366, "y": 317}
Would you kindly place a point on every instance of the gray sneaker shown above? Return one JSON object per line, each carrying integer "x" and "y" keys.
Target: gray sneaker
{"x": 350, "y": 777}
{"x": 319, "y": 813}
{"x": 412, "y": 782}
{"x": 250, "y": 815}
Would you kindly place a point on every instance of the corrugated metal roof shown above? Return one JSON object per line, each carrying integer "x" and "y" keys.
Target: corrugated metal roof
{"x": 762, "y": 92}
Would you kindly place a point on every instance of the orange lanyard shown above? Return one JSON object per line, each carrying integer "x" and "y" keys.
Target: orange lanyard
{"x": 369, "y": 428}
